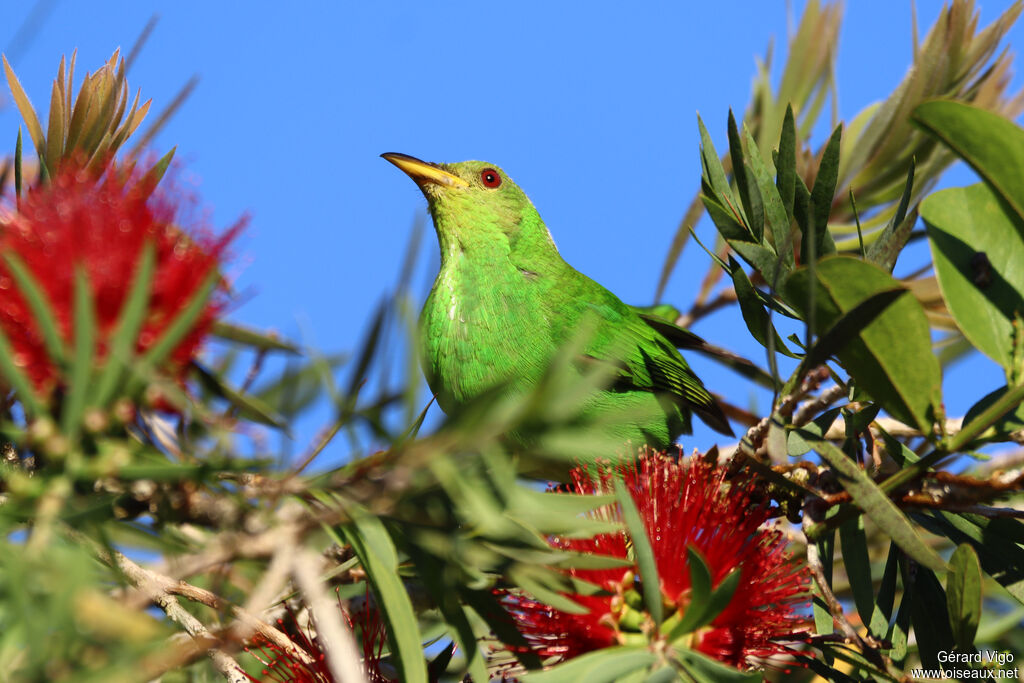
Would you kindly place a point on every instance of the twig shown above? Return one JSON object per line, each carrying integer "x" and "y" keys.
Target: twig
{"x": 338, "y": 643}
{"x": 699, "y": 310}
{"x": 868, "y": 645}
{"x": 156, "y": 589}
{"x": 162, "y": 589}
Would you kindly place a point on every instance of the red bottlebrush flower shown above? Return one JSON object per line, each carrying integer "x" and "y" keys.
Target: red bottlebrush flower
{"x": 305, "y": 661}
{"x": 682, "y": 505}
{"x": 101, "y": 226}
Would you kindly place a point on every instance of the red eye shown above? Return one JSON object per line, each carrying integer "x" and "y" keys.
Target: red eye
{"x": 490, "y": 178}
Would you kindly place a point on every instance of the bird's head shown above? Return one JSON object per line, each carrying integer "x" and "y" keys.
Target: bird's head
{"x": 476, "y": 205}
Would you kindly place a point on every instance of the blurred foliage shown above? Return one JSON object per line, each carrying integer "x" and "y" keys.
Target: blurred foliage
{"x": 154, "y": 530}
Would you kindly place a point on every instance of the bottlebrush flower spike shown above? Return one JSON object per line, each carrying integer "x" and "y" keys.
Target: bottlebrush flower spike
{"x": 683, "y": 505}
{"x": 101, "y": 228}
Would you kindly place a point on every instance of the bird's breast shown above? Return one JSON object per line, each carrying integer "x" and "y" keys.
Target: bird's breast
{"x": 482, "y": 329}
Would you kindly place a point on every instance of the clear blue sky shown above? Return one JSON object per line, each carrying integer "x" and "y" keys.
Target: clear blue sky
{"x": 590, "y": 107}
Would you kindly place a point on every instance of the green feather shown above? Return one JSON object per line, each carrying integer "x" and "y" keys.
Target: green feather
{"x": 505, "y": 303}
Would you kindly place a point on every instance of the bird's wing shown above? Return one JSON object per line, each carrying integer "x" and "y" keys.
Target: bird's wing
{"x": 645, "y": 359}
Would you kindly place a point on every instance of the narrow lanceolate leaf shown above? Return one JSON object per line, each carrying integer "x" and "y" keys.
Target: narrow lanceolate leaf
{"x": 884, "y": 250}
{"x": 24, "y": 392}
{"x": 700, "y": 595}
{"x": 130, "y": 319}
{"x": 992, "y": 145}
{"x": 263, "y": 341}
{"x": 977, "y": 249}
{"x": 706, "y": 602}
{"x": 703, "y": 669}
{"x": 35, "y": 130}
{"x": 55, "y": 128}
{"x": 376, "y": 552}
{"x": 437, "y": 582}
{"x": 148, "y": 182}
{"x": 601, "y": 666}
{"x": 878, "y": 506}
{"x": 821, "y": 198}
{"x": 39, "y": 304}
{"x": 775, "y": 212}
{"x": 998, "y": 543}
{"x": 785, "y": 165}
{"x": 17, "y": 167}
{"x": 248, "y": 406}
{"x": 754, "y": 314}
{"x": 644, "y": 553}
{"x": 963, "y": 595}
{"x": 745, "y": 184}
{"x": 881, "y": 616}
{"x": 858, "y": 566}
{"x": 714, "y": 174}
{"x": 183, "y": 322}
{"x": 904, "y": 378}
{"x": 928, "y": 613}
{"x": 82, "y": 360}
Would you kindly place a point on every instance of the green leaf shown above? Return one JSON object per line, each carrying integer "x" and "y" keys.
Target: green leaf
{"x": 963, "y": 595}
{"x": 928, "y": 613}
{"x": 247, "y": 336}
{"x": 372, "y": 544}
{"x": 747, "y": 187}
{"x": 130, "y": 319}
{"x": 878, "y": 506}
{"x": 785, "y": 178}
{"x": 728, "y": 226}
{"x": 714, "y": 174}
{"x": 992, "y": 145}
{"x": 885, "y": 250}
{"x": 977, "y": 248}
{"x": 858, "y": 566}
{"x": 823, "y": 622}
{"x": 665, "y": 674}
{"x": 23, "y": 389}
{"x": 35, "y": 130}
{"x": 706, "y": 670}
{"x": 904, "y": 378}
{"x": 645, "y": 561}
{"x": 882, "y": 613}
{"x": 700, "y": 595}
{"x": 798, "y": 440}
{"x": 845, "y": 329}
{"x": 82, "y": 363}
{"x": 431, "y": 570}
{"x": 248, "y": 406}
{"x": 775, "y": 212}
{"x": 998, "y": 543}
{"x": 39, "y": 303}
{"x": 1004, "y": 427}
{"x": 561, "y": 514}
{"x": 148, "y": 182}
{"x": 17, "y": 167}
{"x": 821, "y": 199}
{"x": 601, "y": 666}
{"x": 536, "y": 582}
{"x": 182, "y": 323}
{"x": 754, "y": 314}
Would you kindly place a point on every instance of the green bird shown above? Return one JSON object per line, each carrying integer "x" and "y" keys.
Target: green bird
{"x": 505, "y": 303}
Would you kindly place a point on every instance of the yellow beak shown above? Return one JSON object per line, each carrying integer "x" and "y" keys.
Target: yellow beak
{"x": 423, "y": 172}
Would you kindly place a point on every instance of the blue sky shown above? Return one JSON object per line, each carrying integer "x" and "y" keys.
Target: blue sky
{"x": 591, "y": 111}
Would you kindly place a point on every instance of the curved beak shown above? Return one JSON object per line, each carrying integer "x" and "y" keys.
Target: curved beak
{"x": 423, "y": 172}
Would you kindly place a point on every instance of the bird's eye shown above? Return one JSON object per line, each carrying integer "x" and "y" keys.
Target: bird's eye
{"x": 490, "y": 178}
